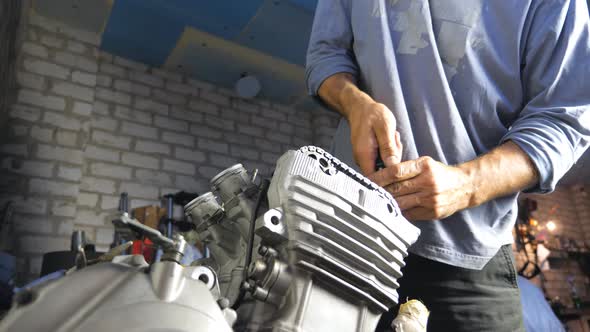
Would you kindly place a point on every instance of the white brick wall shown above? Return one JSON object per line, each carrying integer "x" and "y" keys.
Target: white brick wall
{"x": 88, "y": 125}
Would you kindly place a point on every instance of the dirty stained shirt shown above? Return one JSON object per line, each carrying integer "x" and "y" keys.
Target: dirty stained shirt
{"x": 462, "y": 77}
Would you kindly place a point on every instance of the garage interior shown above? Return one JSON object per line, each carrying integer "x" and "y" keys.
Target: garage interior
{"x": 153, "y": 98}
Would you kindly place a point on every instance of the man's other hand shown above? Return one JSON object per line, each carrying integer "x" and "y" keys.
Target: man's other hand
{"x": 426, "y": 189}
{"x": 373, "y": 133}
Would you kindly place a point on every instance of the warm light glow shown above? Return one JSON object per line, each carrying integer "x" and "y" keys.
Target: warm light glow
{"x": 533, "y": 222}
{"x": 551, "y": 226}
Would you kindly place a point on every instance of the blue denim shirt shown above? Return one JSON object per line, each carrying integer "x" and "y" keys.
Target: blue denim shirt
{"x": 461, "y": 77}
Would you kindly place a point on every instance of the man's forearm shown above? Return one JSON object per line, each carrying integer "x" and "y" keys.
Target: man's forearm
{"x": 341, "y": 93}
{"x": 504, "y": 170}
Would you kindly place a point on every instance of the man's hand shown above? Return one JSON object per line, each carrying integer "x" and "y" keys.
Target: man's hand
{"x": 372, "y": 133}
{"x": 426, "y": 189}
{"x": 372, "y": 125}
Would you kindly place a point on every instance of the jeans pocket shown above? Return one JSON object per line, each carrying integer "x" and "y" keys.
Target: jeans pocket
{"x": 506, "y": 251}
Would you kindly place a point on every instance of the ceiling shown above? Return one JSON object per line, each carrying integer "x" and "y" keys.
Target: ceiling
{"x": 213, "y": 40}
{"x": 216, "y": 41}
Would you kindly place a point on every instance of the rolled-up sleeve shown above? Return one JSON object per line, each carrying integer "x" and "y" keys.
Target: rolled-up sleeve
{"x": 553, "y": 127}
{"x": 330, "y": 45}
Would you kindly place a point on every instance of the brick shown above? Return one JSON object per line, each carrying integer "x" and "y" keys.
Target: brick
{"x": 26, "y": 113}
{"x": 130, "y": 64}
{"x": 69, "y": 173}
{"x": 215, "y": 98}
{"x": 169, "y": 97}
{"x": 104, "y": 80}
{"x": 76, "y": 61}
{"x": 108, "y": 202}
{"x": 153, "y": 177}
{"x": 98, "y": 153}
{"x": 39, "y": 244}
{"x": 96, "y": 185}
{"x": 67, "y": 138}
{"x": 76, "y": 47}
{"x": 245, "y": 106}
{"x": 167, "y": 123}
{"x": 264, "y": 122}
{"x": 91, "y": 218}
{"x": 242, "y": 152}
{"x": 35, "y": 50}
{"x": 148, "y": 79}
{"x": 266, "y": 145}
{"x": 205, "y": 131}
{"x": 111, "y": 171}
{"x": 190, "y": 184}
{"x": 278, "y": 137}
{"x": 236, "y": 115}
{"x": 294, "y": 119}
{"x": 221, "y": 160}
{"x": 203, "y": 107}
{"x": 132, "y": 88}
{"x": 19, "y": 131}
{"x": 114, "y": 70}
{"x": 190, "y": 155}
{"x": 306, "y": 133}
{"x": 270, "y": 157}
{"x": 83, "y": 109}
{"x": 152, "y": 147}
{"x": 180, "y": 139}
{"x": 52, "y": 41}
{"x": 50, "y": 187}
{"x": 34, "y": 205}
{"x": 61, "y": 121}
{"x": 184, "y": 114}
{"x": 86, "y": 199}
{"x": 37, "y": 99}
{"x": 139, "y": 190}
{"x": 42, "y": 134}
{"x": 14, "y": 149}
{"x": 104, "y": 235}
{"x": 137, "y": 130}
{"x": 237, "y": 138}
{"x": 223, "y": 124}
{"x": 31, "y": 81}
{"x": 211, "y": 145}
{"x": 104, "y": 122}
{"x": 183, "y": 89}
{"x": 209, "y": 172}
{"x": 46, "y": 68}
{"x": 138, "y": 160}
{"x": 167, "y": 75}
{"x": 28, "y": 167}
{"x": 273, "y": 114}
{"x": 113, "y": 96}
{"x": 131, "y": 114}
{"x": 82, "y": 35}
{"x": 100, "y": 107}
{"x": 84, "y": 78}
{"x": 63, "y": 208}
{"x": 120, "y": 142}
{"x": 251, "y": 130}
{"x": 32, "y": 34}
{"x": 152, "y": 106}
{"x": 49, "y": 152}
{"x": 179, "y": 167}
